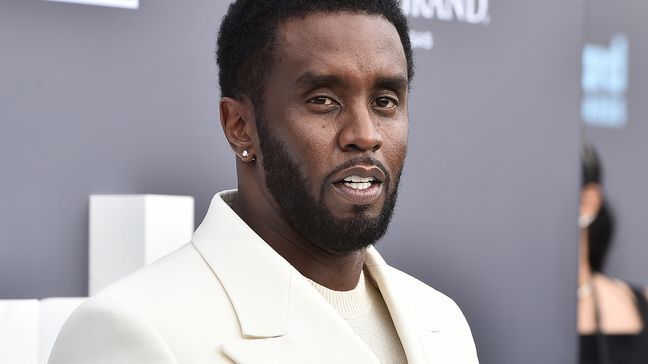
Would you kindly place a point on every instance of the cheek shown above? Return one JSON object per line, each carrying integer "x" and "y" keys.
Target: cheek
{"x": 395, "y": 146}
{"x": 312, "y": 144}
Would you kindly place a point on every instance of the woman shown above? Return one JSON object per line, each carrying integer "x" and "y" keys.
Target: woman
{"x": 612, "y": 315}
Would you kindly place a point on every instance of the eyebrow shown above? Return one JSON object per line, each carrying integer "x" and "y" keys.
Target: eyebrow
{"x": 312, "y": 79}
{"x": 394, "y": 83}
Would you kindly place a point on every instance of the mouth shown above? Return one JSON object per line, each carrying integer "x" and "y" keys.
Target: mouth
{"x": 360, "y": 185}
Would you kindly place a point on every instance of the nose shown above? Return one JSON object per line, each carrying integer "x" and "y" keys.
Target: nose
{"x": 359, "y": 131}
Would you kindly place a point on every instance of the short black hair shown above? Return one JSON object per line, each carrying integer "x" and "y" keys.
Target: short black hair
{"x": 248, "y": 35}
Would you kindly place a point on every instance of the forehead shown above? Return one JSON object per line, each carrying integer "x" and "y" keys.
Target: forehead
{"x": 359, "y": 45}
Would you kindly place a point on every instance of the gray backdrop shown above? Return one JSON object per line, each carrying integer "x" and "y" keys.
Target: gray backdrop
{"x": 624, "y": 150}
{"x": 97, "y": 100}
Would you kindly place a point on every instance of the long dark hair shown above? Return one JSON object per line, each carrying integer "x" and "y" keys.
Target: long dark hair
{"x": 601, "y": 230}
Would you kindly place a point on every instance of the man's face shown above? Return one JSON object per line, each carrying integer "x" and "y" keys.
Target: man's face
{"x": 333, "y": 127}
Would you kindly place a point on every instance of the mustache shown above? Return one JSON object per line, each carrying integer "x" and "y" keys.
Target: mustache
{"x": 367, "y": 161}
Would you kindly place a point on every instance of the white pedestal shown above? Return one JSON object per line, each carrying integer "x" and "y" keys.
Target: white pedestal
{"x": 53, "y": 314}
{"x": 19, "y": 331}
{"x": 127, "y": 4}
{"x": 128, "y": 232}
{"x": 28, "y": 328}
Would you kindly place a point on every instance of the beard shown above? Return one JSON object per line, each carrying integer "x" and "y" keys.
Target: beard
{"x": 287, "y": 183}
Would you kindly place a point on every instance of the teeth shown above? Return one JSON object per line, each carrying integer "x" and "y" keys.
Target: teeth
{"x": 358, "y": 186}
{"x": 358, "y": 179}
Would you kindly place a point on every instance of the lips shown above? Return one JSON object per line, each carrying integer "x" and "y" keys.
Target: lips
{"x": 359, "y": 184}
{"x": 359, "y": 172}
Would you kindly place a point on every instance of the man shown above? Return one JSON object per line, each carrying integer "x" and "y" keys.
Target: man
{"x": 314, "y": 105}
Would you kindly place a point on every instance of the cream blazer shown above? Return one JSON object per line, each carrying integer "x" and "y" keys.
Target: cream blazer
{"x": 227, "y": 297}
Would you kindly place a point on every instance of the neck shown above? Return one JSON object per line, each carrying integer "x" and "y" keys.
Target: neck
{"x": 261, "y": 212}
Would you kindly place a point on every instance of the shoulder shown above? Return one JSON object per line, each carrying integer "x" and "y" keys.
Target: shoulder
{"x": 179, "y": 279}
{"x": 614, "y": 289}
{"x": 426, "y": 295}
{"x": 143, "y": 314}
{"x": 179, "y": 284}
{"x": 440, "y": 314}
{"x": 416, "y": 291}
{"x": 617, "y": 301}
{"x": 103, "y": 330}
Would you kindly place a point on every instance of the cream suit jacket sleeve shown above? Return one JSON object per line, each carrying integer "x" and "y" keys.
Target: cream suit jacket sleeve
{"x": 106, "y": 332}
{"x": 227, "y": 297}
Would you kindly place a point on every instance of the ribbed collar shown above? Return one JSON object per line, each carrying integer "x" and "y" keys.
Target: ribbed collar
{"x": 353, "y": 304}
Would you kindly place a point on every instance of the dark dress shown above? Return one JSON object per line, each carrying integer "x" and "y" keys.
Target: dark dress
{"x": 618, "y": 349}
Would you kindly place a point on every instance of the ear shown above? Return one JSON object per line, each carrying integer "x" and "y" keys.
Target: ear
{"x": 237, "y": 120}
{"x": 591, "y": 199}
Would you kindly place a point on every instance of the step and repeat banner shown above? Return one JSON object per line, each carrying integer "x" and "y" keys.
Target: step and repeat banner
{"x": 100, "y": 100}
{"x": 615, "y": 114}
{"x": 489, "y": 199}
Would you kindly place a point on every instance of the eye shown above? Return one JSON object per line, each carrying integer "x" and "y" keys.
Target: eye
{"x": 322, "y": 104}
{"x": 385, "y": 102}
{"x": 321, "y": 100}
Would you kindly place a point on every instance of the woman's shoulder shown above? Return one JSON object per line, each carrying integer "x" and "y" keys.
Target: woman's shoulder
{"x": 618, "y": 305}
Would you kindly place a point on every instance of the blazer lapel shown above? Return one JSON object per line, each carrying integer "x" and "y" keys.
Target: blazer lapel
{"x": 410, "y": 324}
{"x": 283, "y": 319}
{"x": 315, "y": 334}
{"x": 253, "y": 275}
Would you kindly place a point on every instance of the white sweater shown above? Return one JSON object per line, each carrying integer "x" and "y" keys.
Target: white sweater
{"x": 365, "y": 311}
